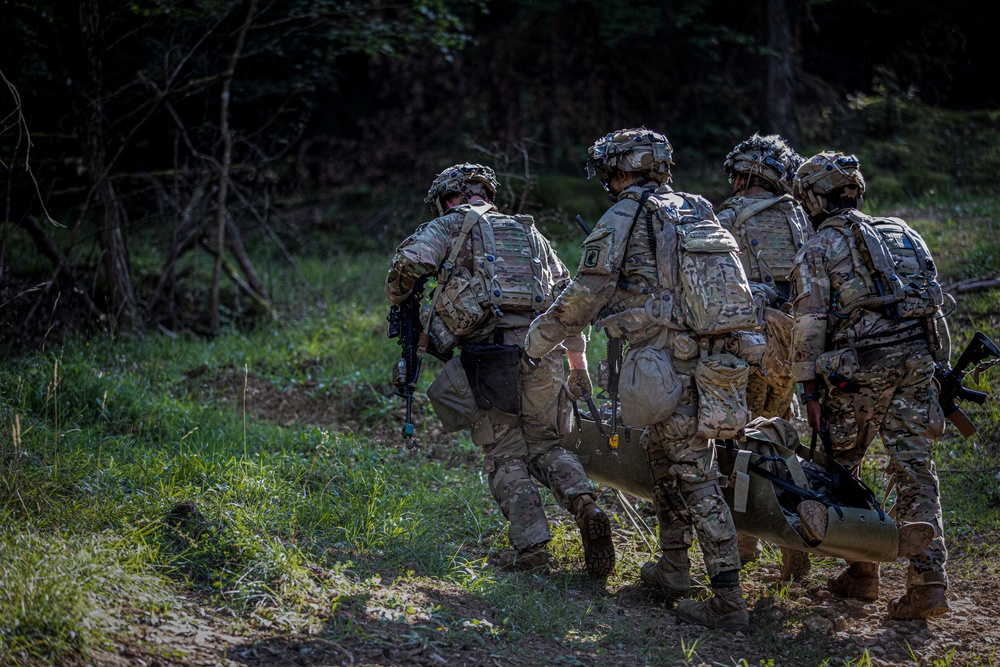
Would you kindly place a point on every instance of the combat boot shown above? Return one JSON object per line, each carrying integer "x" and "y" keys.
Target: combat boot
{"x": 813, "y": 521}
{"x": 725, "y": 610}
{"x": 795, "y": 564}
{"x": 533, "y": 559}
{"x": 926, "y": 601}
{"x": 859, "y": 580}
{"x": 749, "y": 546}
{"x": 595, "y": 531}
{"x": 670, "y": 575}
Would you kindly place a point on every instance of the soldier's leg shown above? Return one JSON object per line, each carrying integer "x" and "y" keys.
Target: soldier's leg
{"x": 670, "y": 574}
{"x": 854, "y": 419}
{"x": 510, "y": 480}
{"x": 910, "y": 431}
{"x": 544, "y": 418}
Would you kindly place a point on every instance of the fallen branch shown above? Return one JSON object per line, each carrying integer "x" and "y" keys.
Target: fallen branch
{"x": 972, "y": 285}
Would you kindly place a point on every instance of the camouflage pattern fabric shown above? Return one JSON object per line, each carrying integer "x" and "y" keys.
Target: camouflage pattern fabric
{"x": 520, "y": 449}
{"x": 893, "y": 394}
{"x": 618, "y": 271}
{"x": 769, "y": 242}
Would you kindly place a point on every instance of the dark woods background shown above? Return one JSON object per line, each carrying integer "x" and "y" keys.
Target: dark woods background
{"x": 151, "y": 152}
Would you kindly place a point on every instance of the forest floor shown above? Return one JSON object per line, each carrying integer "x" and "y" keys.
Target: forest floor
{"x": 797, "y": 623}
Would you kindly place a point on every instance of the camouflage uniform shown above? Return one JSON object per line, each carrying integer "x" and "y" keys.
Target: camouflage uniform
{"x": 768, "y": 242}
{"x": 770, "y": 228}
{"x": 617, "y": 273}
{"x": 519, "y": 448}
{"x": 896, "y": 397}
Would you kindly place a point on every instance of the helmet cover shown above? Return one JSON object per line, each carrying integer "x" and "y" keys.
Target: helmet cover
{"x": 823, "y": 174}
{"x": 466, "y": 179}
{"x": 769, "y": 160}
{"x": 636, "y": 149}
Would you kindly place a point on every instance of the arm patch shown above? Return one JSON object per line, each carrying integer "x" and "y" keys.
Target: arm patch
{"x": 596, "y": 256}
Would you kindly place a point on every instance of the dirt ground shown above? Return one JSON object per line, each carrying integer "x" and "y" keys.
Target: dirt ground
{"x": 786, "y": 622}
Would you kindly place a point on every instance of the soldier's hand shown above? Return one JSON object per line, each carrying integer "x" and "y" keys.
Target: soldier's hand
{"x": 814, "y": 414}
{"x": 579, "y": 383}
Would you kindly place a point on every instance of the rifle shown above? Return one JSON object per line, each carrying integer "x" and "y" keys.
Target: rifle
{"x": 952, "y": 390}
{"x": 403, "y": 323}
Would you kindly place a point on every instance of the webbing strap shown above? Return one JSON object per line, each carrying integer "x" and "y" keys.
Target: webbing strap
{"x": 742, "y": 490}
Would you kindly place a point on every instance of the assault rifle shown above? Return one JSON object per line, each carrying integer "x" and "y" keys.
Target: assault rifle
{"x": 404, "y": 325}
{"x": 952, "y": 390}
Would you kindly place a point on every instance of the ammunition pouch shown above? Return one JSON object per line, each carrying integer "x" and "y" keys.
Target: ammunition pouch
{"x": 722, "y": 403}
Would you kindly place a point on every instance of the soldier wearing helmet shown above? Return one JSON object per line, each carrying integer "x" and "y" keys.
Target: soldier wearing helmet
{"x": 864, "y": 348}
{"x": 770, "y": 227}
{"x": 495, "y": 273}
{"x": 618, "y": 279}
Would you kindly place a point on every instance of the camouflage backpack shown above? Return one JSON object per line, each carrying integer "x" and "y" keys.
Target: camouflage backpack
{"x": 509, "y": 272}
{"x": 922, "y": 294}
{"x": 697, "y": 259}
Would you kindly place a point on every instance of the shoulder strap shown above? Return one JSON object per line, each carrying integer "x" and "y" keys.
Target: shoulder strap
{"x": 471, "y": 218}
{"x": 757, "y": 207}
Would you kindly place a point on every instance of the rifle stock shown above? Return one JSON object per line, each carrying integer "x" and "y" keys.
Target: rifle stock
{"x": 952, "y": 390}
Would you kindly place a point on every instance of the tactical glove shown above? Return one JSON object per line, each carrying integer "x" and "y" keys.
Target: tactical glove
{"x": 579, "y": 384}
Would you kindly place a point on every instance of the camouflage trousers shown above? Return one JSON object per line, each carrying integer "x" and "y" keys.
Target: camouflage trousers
{"x": 525, "y": 449}
{"x": 687, "y": 497}
{"x": 897, "y": 400}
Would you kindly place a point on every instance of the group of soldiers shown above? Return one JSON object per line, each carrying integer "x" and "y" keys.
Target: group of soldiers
{"x": 847, "y": 305}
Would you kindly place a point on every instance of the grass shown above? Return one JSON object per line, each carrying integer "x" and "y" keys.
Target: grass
{"x": 139, "y": 473}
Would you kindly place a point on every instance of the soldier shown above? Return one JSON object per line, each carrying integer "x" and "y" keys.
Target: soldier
{"x": 770, "y": 227}
{"x": 865, "y": 345}
{"x": 624, "y": 289}
{"x": 495, "y": 273}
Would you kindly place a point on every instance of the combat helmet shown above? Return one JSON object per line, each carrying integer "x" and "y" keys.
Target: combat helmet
{"x": 466, "y": 179}
{"x": 767, "y": 161}
{"x": 823, "y": 174}
{"x": 635, "y": 149}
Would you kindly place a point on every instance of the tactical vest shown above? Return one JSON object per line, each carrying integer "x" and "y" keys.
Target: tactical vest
{"x": 508, "y": 272}
{"x": 770, "y": 233}
{"x": 922, "y": 294}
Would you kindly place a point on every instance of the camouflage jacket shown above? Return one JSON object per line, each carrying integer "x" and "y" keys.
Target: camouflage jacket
{"x": 823, "y": 267}
{"x": 768, "y": 239}
{"x": 617, "y": 268}
{"x": 424, "y": 251}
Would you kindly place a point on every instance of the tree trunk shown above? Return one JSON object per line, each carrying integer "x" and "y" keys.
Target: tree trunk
{"x": 102, "y": 197}
{"x": 780, "y": 109}
{"x": 222, "y": 211}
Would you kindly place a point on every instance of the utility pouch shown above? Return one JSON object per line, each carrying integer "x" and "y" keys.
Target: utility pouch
{"x": 648, "y": 387}
{"x": 459, "y": 304}
{"x": 452, "y": 398}
{"x": 494, "y": 373}
{"x": 839, "y": 368}
{"x": 722, "y": 395}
